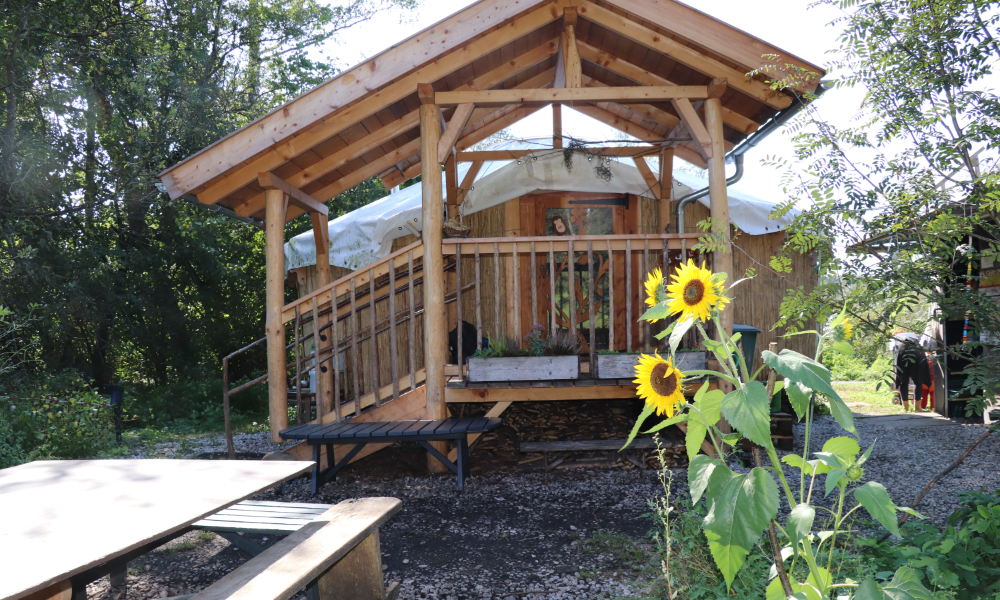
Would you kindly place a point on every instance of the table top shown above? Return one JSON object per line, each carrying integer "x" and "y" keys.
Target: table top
{"x": 349, "y": 430}
{"x": 60, "y": 518}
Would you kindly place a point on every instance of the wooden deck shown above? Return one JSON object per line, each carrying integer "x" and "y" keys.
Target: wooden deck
{"x": 583, "y": 388}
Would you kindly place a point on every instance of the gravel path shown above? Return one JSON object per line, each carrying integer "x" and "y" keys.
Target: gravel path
{"x": 512, "y": 535}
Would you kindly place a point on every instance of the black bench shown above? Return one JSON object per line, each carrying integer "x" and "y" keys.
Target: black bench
{"x": 386, "y": 432}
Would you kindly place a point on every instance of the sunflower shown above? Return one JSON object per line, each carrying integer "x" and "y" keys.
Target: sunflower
{"x": 654, "y": 288}
{"x": 693, "y": 293}
{"x": 659, "y": 384}
{"x": 848, "y": 329}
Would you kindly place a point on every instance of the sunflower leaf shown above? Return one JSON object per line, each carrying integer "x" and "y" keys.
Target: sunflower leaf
{"x": 656, "y": 312}
{"x": 748, "y": 409}
{"x": 646, "y": 411}
{"x": 680, "y": 328}
{"x": 798, "y": 397}
{"x": 737, "y": 518}
{"x": 671, "y": 421}
{"x": 707, "y": 474}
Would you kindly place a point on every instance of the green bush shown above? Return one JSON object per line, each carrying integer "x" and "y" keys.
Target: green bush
{"x": 960, "y": 560}
{"x": 61, "y": 419}
{"x": 853, "y": 368}
{"x": 193, "y": 404}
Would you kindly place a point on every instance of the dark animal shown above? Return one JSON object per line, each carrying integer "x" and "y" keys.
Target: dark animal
{"x": 468, "y": 342}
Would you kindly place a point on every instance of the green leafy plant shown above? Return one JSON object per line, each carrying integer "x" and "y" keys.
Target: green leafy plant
{"x": 740, "y": 507}
{"x": 534, "y": 342}
{"x": 962, "y": 558}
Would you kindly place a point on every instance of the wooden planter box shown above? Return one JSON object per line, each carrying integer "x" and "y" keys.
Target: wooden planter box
{"x": 524, "y": 368}
{"x": 622, "y": 366}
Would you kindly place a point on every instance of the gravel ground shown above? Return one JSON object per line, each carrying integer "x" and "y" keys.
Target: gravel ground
{"x": 515, "y": 535}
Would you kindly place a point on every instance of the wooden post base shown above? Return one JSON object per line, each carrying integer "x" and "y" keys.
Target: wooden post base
{"x": 357, "y": 576}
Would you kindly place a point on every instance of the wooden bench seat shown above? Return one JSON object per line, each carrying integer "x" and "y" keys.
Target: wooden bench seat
{"x": 264, "y": 518}
{"x": 381, "y": 432}
{"x": 337, "y": 556}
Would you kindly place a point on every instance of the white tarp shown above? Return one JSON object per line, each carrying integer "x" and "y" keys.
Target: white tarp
{"x": 366, "y": 234}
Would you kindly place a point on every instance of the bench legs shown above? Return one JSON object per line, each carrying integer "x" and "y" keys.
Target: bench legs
{"x": 319, "y": 477}
{"x": 357, "y": 576}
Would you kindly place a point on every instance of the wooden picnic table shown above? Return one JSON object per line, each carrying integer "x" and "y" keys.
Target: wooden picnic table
{"x": 61, "y": 521}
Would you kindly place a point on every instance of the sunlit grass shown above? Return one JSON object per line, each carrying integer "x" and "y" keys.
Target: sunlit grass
{"x": 863, "y": 398}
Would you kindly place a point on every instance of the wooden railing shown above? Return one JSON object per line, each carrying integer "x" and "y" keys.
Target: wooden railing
{"x": 601, "y": 287}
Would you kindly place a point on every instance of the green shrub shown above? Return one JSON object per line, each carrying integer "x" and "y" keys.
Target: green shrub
{"x": 853, "y": 368}
{"x": 960, "y": 560}
{"x": 59, "y": 419}
{"x": 193, "y": 404}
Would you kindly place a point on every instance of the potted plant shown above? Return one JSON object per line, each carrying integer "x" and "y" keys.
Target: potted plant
{"x": 621, "y": 365}
{"x": 541, "y": 360}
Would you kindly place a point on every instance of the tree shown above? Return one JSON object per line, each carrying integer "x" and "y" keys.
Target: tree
{"x": 97, "y": 98}
{"x": 902, "y": 188}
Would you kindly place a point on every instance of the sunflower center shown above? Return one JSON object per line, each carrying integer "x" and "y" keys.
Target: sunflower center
{"x": 664, "y": 386}
{"x": 694, "y": 292}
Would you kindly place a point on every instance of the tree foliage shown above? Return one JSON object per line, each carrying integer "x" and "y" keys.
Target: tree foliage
{"x": 97, "y": 98}
{"x": 902, "y": 186}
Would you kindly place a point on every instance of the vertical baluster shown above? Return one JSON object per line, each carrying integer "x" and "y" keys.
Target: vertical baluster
{"x": 590, "y": 308}
{"x": 393, "y": 355}
{"x": 373, "y": 341}
{"x": 571, "y": 261}
{"x": 316, "y": 361}
{"x": 628, "y": 295}
{"x": 534, "y": 287}
{"x": 479, "y": 312}
{"x": 356, "y": 360}
{"x": 458, "y": 309}
{"x": 611, "y": 298}
{"x": 335, "y": 357}
{"x": 496, "y": 289}
{"x": 552, "y": 287}
{"x": 515, "y": 301}
{"x": 646, "y": 268}
{"x": 298, "y": 364}
{"x": 413, "y": 325}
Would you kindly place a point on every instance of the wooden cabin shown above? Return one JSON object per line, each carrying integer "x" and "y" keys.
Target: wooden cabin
{"x": 667, "y": 75}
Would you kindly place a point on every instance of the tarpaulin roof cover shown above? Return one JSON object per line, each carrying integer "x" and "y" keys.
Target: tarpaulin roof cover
{"x": 366, "y": 234}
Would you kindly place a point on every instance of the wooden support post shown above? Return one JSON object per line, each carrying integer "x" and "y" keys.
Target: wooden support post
{"x": 666, "y": 188}
{"x": 557, "y": 135}
{"x": 451, "y": 183}
{"x": 718, "y": 195}
{"x": 323, "y": 340}
{"x": 435, "y": 332}
{"x": 356, "y": 576}
{"x": 275, "y": 203}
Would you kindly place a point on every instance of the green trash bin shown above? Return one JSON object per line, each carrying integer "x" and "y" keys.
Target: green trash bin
{"x": 749, "y": 341}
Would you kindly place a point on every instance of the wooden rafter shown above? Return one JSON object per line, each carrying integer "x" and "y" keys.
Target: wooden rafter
{"x": 647, "y": 110}
{"x": 648, "y": 177}
{"x": 738, "y": 46}
{"x": 683, "y": 54}
{"x": 191, "y": 177}
{"x": 643, "y": 77}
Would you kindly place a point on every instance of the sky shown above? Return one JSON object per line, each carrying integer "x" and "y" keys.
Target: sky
{"x": 796, "y": 28}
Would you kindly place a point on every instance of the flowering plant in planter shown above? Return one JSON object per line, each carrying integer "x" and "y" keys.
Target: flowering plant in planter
{"x": 741, "y": 507}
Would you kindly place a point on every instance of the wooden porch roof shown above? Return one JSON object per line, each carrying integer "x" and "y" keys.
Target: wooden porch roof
{"x": 365, "y": 122}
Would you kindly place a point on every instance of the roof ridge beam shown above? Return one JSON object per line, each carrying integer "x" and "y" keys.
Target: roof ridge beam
{"x": 683, "y": 54}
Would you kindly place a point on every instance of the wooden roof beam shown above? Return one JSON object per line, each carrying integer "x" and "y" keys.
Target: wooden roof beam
{"x": 643, "y": 77}
{"x": 484, "y": 155}
{"x": 684, "y": 54}
{"x": 305, "y": 122}
{"x": 570, "y": 55}
{"x": 640, "y": 94}
{"x": 458, "y": 122}
{"x": 647, "y": 176}
{"x": 645, "y": 135}
{"x": 693, "y": 123}
{"x": 647, "y": 110}
{"x": 691, "y": 24}
{"x": 296, "y": 197}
